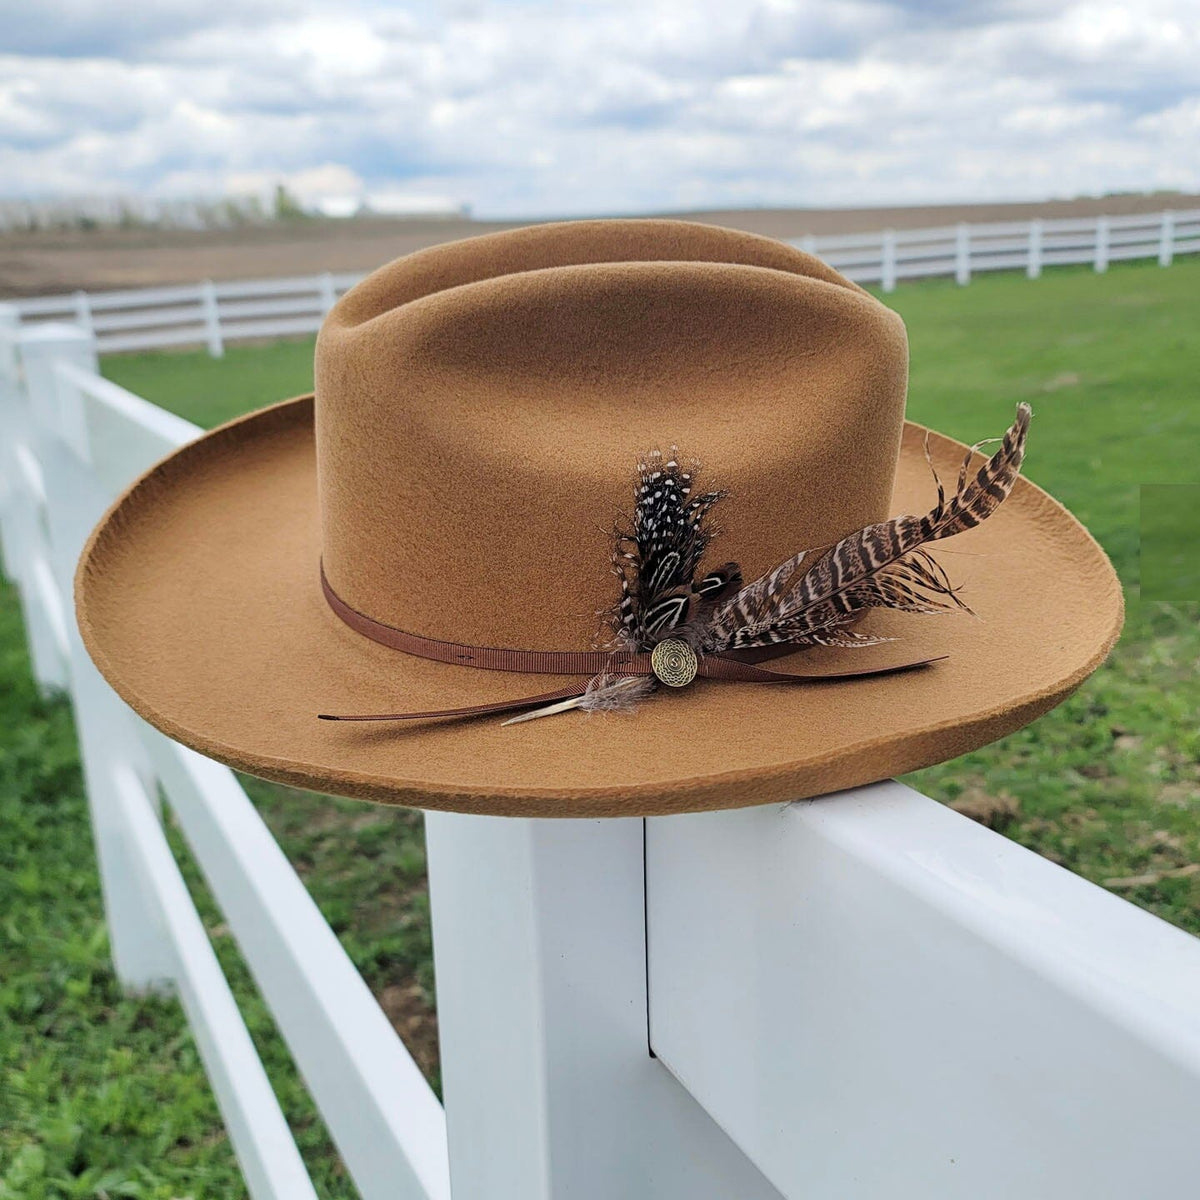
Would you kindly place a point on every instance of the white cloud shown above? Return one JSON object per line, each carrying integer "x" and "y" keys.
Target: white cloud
{"x": 580, "y": 106}
{"x": 310, "y": 184}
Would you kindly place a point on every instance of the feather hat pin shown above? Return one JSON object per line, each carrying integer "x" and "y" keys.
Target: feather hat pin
{"x": 886, "y": 565}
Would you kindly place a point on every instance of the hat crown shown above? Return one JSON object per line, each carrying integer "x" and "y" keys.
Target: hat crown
{"x": 482, "y": 407}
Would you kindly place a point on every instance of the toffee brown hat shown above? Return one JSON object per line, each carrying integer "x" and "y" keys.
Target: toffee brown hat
{"x": 480, "y": 411}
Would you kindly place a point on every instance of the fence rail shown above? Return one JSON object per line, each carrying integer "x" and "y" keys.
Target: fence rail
{"x": 69, "y": 442}
{"x": 926, "y": 960}
{"x": 214, "y": 314}
{"x": 858, "y": 997}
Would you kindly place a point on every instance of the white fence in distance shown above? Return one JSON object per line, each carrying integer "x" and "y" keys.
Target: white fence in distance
{"x": 213, "y": 314}
{"x": 84, "y": 212}
{"x": 207, "y": 314}
{"x": 862, "y": 996}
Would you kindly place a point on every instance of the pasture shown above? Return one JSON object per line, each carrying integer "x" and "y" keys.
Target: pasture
{"x": 104, "y": 1094}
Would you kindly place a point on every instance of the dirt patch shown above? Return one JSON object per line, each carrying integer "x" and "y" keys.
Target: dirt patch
{"x": 1064, "y": 379}
{"x": 996, "y": 812}
{"x": 95, "y": 260}
{"x": 405, "y": 1006}
{"x": 1150, "y": 878}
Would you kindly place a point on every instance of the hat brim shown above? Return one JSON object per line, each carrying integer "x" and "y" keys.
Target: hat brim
{"x": 199, "y": 599}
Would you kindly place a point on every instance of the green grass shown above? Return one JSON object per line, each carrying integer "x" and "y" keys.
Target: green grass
{"x": 102, "y": 1094}
{"x": 1170, "y": 532}
{"x": 210, "y": 391}
{"x": 1109, "y": 783}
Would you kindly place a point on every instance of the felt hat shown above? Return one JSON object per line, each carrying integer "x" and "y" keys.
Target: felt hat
{"x": 435, "y": 531}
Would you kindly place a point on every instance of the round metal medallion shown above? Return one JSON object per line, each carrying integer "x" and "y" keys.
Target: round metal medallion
{"x": 674, "y": 663}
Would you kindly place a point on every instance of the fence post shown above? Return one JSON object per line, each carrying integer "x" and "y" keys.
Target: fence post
{"x": 962, "y": 254}
{"x": 539, "y": 942}
{"x": 57, "y": 410}
{"x": 212, "y": 319}
{"x": 1166, "y": 239}
{"x": 71, "y": 503}
{"x": 888, "y": 261}
{"x": 25, "y": 523}
{"x": 83, "y": 312}
{"x": 1101, "y": 244}
{"x": 10, "y": 497}
{"x": 1033, "y": 267}
{"x": 327, "y": 290}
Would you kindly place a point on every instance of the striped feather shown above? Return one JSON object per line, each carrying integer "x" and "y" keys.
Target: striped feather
{"x": 882, "y": 566}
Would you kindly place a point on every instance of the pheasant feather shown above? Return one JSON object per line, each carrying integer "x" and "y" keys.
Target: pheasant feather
{"x": 882, "y": 566}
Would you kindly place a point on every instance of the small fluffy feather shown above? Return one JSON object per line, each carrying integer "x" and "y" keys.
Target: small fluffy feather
{"x": 608, "y": 693}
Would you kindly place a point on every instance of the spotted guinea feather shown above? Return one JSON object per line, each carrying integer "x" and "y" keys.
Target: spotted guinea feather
{"x": 882, "y": 566}
{"x": 656, "y": 558}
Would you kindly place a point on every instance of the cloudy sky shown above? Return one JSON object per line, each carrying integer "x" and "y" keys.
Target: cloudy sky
{"x": 578, "y": 106}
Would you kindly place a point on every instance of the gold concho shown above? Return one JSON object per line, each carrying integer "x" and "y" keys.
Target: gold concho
{"x": 674, "y": 663}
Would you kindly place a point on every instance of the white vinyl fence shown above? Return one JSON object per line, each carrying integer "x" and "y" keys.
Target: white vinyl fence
{"x": 89, "y": 212}
{"x": 212, "y": 314}
{"x": 208, "y": 314}
{"x": 864, "y": 997}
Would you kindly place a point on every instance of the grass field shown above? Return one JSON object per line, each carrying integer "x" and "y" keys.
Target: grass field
{"x": 103, "y": 1094}
{"x": 1170, "y": 541}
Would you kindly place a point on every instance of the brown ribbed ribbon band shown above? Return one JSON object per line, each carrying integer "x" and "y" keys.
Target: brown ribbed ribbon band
{"x": 555, "y": 662}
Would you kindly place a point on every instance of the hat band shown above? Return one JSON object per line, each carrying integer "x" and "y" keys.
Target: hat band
{"x": 488, "y": 658}
{"x": 555, "y": 662}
